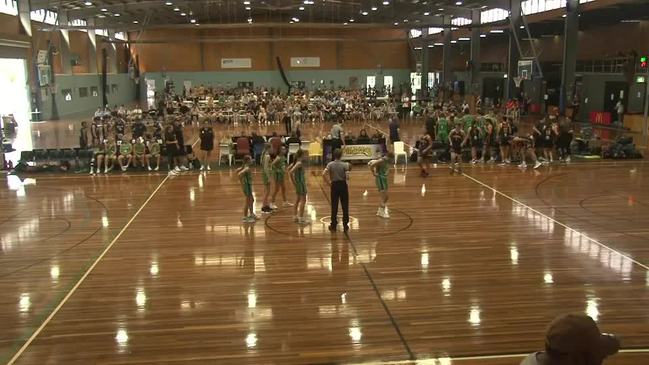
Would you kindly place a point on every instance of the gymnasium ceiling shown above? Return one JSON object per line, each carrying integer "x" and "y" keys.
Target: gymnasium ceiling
{"x": 134, "y": 14}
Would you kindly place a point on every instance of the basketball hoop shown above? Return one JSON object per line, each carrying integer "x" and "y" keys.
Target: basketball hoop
{"x": 517, "y": 81}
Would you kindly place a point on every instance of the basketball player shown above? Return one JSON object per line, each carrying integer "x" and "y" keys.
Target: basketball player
{"x": 525, "y": 145}
{"x": 279, "y": 169}
{"x": 456, "y": 139}
{"x": 296, "y": 173}
{"x": 425, "y": 154}
{"x": 505, "y": 134}
{"x": 380, "y": 168}
{"x": 266, "y": 175}
{"x": 474, "y": 140}
{"x": 245, "y": 177}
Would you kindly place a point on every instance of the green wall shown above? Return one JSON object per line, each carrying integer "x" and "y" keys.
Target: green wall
{"x": 273, "y": 78}
{"x": 125, "y": 93}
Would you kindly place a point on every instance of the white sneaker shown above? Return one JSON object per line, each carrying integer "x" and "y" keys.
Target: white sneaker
{"x": 173, "y": 172}
{"x": 123, "y": 168}
{"x": 176, "y": 169}
{"x": 523, "y": 165}
{"x": 209, "y": 168}
{"x": 491, "y": 160}
{"x": 508, "y": 161}
{"x": 274, "y": 207}
{"x": 92, "y": 171}
{"x": 156, "y": 168}
{"x": 148, "y": 168}
{"x": 386, "y": 214}
{"x": 537, "y": 164}
{"x": 105, "y": 170}
{"x": 202, "y": 168}
{"x": 379, "y": 211}
{"x": 567, "y": 159}
{"x": 183, "y": 168}
{"x": 287, "y": 204}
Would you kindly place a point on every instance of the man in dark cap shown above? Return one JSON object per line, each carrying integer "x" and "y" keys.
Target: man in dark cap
{"x": 574, "y": 339}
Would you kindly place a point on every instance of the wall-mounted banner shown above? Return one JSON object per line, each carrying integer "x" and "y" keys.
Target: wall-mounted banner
{"x": 236, "y": 63}
{"x": 305, "y": 61}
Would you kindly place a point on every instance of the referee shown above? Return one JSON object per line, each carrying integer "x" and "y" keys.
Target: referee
{"x": 336, "y": 174}
{"x": 337, "y": 140}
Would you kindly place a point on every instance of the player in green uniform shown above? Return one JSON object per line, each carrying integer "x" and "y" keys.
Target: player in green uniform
{"x": 442, "y": 129}
{"x": 296, "y": 172}
{"x": 279, "y": 171}
{"x": 139, "y": 152}
{"x": 111, "y": 155}
{"x": 99, "y": 152}
{"x": 266, "y": 175}
{"x": 245, "y": 177}
{"x": 154, "y": 153}
{"x": 380, "y": 168}
{"x": 125, "y": 154}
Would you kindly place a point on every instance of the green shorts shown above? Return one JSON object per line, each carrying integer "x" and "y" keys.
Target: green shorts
{"x": 279, "y": 175}
{"x": 300, "y": 189}
{"x": 382, "y": 183}
{"x": 265, "y": 176}
{"x": 247, "y": 190}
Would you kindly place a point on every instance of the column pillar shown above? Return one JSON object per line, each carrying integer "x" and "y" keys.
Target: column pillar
{"x": 475, "y": 88}
{"x": 447, "y": 67}
{"x": 111, "y": 50}
{"x": 569, "y": 66}
{"x": 92, "y": 48}
{"x": 514, "y": 52}
{"x": 24, "y": 11}
{"x": 425, "y": 62}
{"x": 66, "y": 59}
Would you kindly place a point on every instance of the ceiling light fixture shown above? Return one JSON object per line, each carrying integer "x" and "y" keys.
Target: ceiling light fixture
{"x": 386, "y": 3}
{"x": 176, "y": 9}
{"x": 301, "y": 8}
{"x": 464, "y": 39}
{"x": 374, "y": 8}
{"x": 364, "y": 13}
{"x": 249, "y": 20}
{"x": 193, "y": 21}
{"x": 116, "y": 14}
{"x": 87, "y": 3}
{"x": 247, "y": 8}
{"x": 351, "y": 20}
{"x": 345, "y": 23}
{"x": 396, "y": 23}
{"x": 169, "y": 3}
{"x": 497, "y": 31}
{"x": 246, "y": 2}
{"x": 104, "y": 9}
{"x": 483, "y": 36}
{"x": 183, "y": 14}
{"x": 458, "y": 3}
{"x": 135, "y": 22}
{"x": 427, "y": 13}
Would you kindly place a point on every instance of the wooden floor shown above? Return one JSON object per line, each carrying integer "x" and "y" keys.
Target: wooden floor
{"x": 145, "y": 268}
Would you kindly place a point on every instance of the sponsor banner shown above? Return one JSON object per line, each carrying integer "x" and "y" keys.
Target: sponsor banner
{"x": 361, "y": 152}
{"x": 236, "y": 63}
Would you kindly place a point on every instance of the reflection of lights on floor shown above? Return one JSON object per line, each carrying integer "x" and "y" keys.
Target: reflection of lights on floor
{"x": 140, "y": 298}
{"x": 424, "y": 260}
{"x": 154, "y": 269}
{"x": 251, "y": 340}
{"x": 121, "y": 338}
{"x": 343, "y": 296}
{"x": 24, "y": 303}
{"x": 252, "y": 298}
{"x": 355, "y": 332}
{"x": 548, "y": 278}
{"x": 423, "y": 189}
{"x": 474, "y": 316}
{"x": 513, "y": 254}
{"x": 104, "y": 222}
{"x": 446, "y": 286}
{"x": 54, "y": 273}
{"x": 592, "y": 309}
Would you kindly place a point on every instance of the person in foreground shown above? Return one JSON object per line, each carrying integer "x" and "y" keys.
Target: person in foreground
{"x": 296, "y": 173}
{"x": 574, "y": 339}
{"x": 336, "y": 175}
{"x": 380, "y": 168}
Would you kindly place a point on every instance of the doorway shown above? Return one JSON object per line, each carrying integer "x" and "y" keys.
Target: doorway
{"x": 492, "y": 88}
{"x": 14, "y": 100}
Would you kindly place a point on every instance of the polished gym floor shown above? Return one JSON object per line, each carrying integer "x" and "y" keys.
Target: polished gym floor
{"x": 146, "y": 268}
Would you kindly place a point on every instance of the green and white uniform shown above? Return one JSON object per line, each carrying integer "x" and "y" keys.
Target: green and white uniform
{"x": 246, "y": 183}
{"x": 279, "y": 169}
{"x": 111, "y": 150}
{"x": 300, "y": 180}
{"x": 382, "y": 175}
{"x": 154, "y": 149}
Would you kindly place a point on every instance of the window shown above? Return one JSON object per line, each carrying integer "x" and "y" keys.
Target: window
{"x": 113, "y": 88}
{"x": 415, "y": 82}
{"x": 460, "y": 21}
{"x": 121, "y": 36}
{"x": 435, "y": 30}
{"x": 371, "y": 81}
{"x": 8, "y": 7}
{"x": 67, "y": 94}
{"x": 101, "y": 32}
{"x": 83, "y": 92}
{"x": 493, "y": 15}
{"x": 415, "y": 33}
{"x": 388, "y": 81}
{"x": 94, "y": 91}
{"x": 44, "y": 16}
{"x": 539, "y": 6}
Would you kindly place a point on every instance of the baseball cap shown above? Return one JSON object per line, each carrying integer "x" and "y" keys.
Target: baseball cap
{"x": 578, "y": 334}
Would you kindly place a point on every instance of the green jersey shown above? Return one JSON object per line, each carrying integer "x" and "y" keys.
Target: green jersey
{"x": 154, "y": 148}
{"x": 442, "y": 130}
{"x": 300, "y": 180}
{"x": 139, "y": 149}
{"x": 246, "y": 182}
{"x": 111, "y": 149}
{"x": 125, "y": 148}
{"x": 382, "y": 175}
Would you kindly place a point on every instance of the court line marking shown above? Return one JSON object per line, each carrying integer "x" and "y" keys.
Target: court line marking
{"x": 393, "y": 320}
{"x": 442, "y": 359}
{"x": 556, "y": 221}
{"x": 83, "y": 277}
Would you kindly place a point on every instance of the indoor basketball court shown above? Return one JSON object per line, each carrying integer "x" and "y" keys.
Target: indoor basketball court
{"x": 502, "y": 142}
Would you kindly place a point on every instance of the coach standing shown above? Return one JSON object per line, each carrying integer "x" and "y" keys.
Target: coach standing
{"x": 336, "y": 175}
